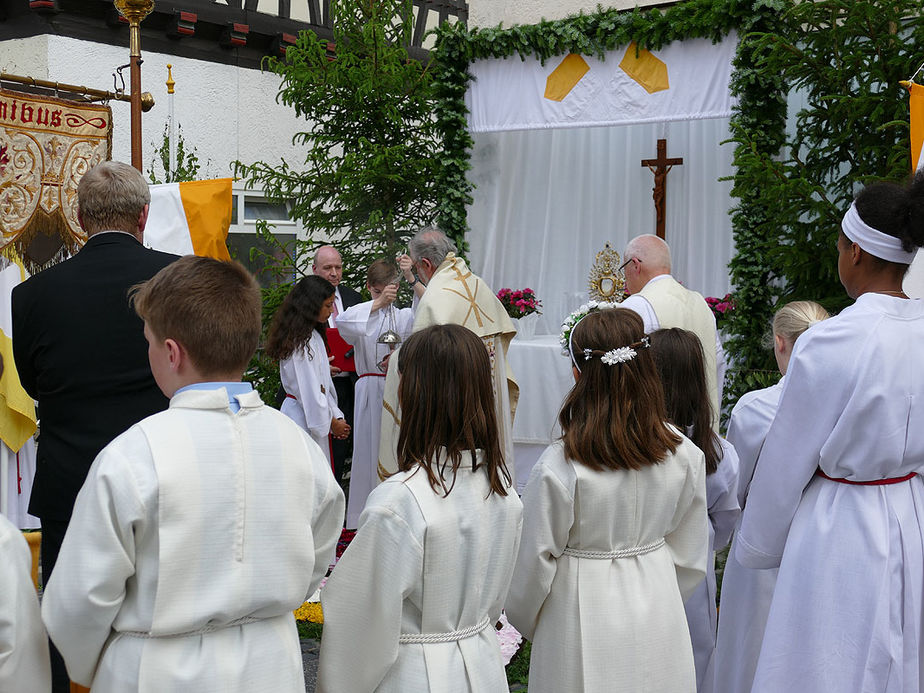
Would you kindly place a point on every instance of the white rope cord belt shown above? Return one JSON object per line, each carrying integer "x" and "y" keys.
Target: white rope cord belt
{"x": 451, "y": 636}
{"x": 609, "y": 555}
{"x": 185, "y": 634}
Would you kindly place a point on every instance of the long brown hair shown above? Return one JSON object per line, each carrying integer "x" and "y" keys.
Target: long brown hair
{"x": 614, "y": 416}
{"x": 678, "y": 355}
{"x": 297, "y": 318}
{"x": 447, "y": 401}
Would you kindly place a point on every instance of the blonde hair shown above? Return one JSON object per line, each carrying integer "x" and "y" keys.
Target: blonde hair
{"x": 795, "y": 318}
{"x": 110, "y": 196}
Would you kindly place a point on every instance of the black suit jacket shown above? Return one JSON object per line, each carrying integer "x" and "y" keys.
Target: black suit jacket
{"x": 348, "y": 296}
{"x": 81, "y": 352}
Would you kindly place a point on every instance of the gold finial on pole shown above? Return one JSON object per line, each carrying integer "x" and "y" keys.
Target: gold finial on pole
{"x": 170, "y": 83}
{"x": 135, "y": 11}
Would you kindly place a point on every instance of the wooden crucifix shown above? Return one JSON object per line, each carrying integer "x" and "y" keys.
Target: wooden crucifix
{"x": 659, "y": 167}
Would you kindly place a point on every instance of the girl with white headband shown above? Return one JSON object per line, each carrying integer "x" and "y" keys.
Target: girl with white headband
{"x": 837, "y": 502}
{"x": 614, "y": 527}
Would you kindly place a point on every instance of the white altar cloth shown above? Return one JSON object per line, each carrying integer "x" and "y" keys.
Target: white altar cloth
{"x": 544, "y": 376}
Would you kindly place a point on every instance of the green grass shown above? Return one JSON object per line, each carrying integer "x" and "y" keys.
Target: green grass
{"x": 306, "y": 629}
{"x": 518, "y": 669}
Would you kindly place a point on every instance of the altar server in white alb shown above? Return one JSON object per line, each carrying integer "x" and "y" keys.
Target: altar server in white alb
{"x": 837, "y": 501}
{"x": 201, "y": 528}
{"x": 411, "y": 606}
{"x": 297, "y": 340}
{"x": 614, "y": 528}
{"x": 363, "y": 325}
{"x": 24, "y": 664}
{"x": 746, "y": 592}
{"x": 679, "y": 358}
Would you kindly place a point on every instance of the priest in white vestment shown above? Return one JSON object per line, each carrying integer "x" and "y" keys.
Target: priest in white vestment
{"x": 837, "y": 500}
{"x": 454, "y": 295}
{"x": 662, "y": 301}
{"x": 24, "y": 664}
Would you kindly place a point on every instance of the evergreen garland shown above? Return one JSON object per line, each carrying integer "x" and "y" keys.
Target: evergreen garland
{"x": 844, "y": 57}
{"x": 758, "y": 123}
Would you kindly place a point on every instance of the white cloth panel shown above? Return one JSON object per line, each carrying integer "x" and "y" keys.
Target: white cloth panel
{"x": 508, "y": 94}
{"x": 546, "y": 202}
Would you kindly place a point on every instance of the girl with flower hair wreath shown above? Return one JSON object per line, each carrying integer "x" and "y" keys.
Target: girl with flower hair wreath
{"x": 614, "y": 527}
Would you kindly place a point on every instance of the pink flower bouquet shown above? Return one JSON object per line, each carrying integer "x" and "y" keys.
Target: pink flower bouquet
{"x": 519, "y": 303}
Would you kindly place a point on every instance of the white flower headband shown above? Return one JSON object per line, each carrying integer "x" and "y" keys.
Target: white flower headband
{"x": 618, "y": 355}
{"x": 610, "y": 358}
{"x": 564, "y": 339}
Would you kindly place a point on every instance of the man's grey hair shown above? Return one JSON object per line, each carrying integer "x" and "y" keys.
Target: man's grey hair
{"x": 110, "y": 196}
{"x": 432, "y": 244}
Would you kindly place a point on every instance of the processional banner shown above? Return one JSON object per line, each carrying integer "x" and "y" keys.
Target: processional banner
{"x": 46, "y": 145}
{"x": 684, "y": 80}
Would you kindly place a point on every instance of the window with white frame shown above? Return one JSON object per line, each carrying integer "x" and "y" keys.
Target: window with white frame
{"x": 249, "y": 207}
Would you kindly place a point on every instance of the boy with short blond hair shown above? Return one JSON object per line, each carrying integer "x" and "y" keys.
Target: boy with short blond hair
{"x": 201, "y": 528}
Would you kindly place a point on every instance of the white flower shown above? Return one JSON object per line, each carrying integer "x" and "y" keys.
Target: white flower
{"x": 620, "y": 355}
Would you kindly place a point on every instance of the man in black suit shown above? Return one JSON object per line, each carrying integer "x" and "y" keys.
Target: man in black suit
{"x": 80, "y": 349}
{"x": 329, "y": 265}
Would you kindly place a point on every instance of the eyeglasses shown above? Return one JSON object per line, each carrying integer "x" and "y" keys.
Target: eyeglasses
{"x": 623, "y": 265}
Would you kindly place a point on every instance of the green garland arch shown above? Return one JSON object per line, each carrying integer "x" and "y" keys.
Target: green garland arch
{"x": 757, "y": 124}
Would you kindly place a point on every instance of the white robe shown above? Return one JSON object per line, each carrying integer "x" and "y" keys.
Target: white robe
{"x": 847, "y": 610}
{"x": 746, "y": 592}
{"x": 23, "y": 644}
{"x": 610, "y": 624}
{"x": 421, "y": 563}
{"x": 702, "y": 618}
{"x": 311, "y": 400}
{"x": 194, "y": 519}
{"x": 361, "y": 327}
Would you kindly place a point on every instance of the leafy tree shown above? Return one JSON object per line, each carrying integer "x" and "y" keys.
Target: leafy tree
{"x": 187, "y": 162}
{"x": 843, "y": 60}
{"x": 368, "y": 178}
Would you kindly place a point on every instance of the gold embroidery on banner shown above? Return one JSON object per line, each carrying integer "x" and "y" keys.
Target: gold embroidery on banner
{"x": 470, "y": 296}
{"x": 46, "y": 145}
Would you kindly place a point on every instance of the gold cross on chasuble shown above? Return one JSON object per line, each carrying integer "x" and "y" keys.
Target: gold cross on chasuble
{"x": 471, "y": 296}
{"x": 660, "y": 167}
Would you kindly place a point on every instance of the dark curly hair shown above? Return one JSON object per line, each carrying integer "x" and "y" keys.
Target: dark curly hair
{"x": 894, "y": 209}
{"x": 297, "y": 317}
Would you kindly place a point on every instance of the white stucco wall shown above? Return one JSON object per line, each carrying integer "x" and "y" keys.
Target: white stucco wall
{"x": 226, "y": 113}
{"x": 486, "y": 13}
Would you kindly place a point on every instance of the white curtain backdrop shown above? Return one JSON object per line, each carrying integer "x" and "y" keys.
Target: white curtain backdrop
{"x": 546, "y": 201}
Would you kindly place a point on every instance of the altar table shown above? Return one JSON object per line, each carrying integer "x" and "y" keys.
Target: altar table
{"x": 544, "y": 376}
